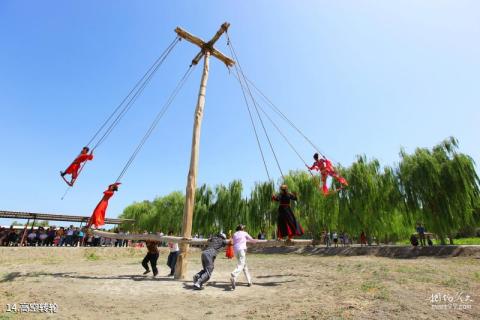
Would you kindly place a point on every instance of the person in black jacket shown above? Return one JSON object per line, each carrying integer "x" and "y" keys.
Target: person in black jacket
{"x": 214, "y": 245}
{"x": 287, "y": 225}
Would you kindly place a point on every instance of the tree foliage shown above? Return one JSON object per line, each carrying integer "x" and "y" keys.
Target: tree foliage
{"x": 438, "y": 187}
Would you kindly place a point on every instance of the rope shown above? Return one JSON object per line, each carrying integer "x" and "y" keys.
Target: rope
{"x": 160, "y": 114}
{"x": 65, "y": 193}
{"x": 232, "y": 50}
{"x": 281, "y": 114}
{"x": 132, "y": 96}
{"x": 281, "y": 133}
{"x": 285, "y": 138}
{"x": 253, "y": 125}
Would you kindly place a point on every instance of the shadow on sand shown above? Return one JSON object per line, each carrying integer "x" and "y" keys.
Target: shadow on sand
{"x": 226, "y": 286}
{"x": 134, "y": 277}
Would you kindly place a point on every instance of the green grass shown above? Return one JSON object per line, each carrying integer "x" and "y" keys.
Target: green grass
{"x": 9, "y": 294}
{"x": 375, "y": 289}
{"x": 467, "y": 241}
{"x": 7, "y": 316}
{"x": 461, "y": 241}
{"x": 91, "y": 256}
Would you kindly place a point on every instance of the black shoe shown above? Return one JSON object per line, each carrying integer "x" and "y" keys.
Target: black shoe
{"x": 195, "y": 278}
{"x": 249, "y": 285}
{"x": 147, "y": 271}
{"x": 62, "y": 173}
{"x": 197, "y": 286}
{"x": 155, "y": 274}
{"x": 171, "y": 275}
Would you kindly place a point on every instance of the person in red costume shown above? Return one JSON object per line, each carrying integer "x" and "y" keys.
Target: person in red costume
{"x": 98, "y": 216}
{"x": 74, "y": 168}
{"x": 326, "y": 169}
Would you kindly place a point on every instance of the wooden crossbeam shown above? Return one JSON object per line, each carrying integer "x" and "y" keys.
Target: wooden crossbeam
{"x": 195, "y": 241}
{"x": 207, "y": 45}
{"x": 56, "y": 217}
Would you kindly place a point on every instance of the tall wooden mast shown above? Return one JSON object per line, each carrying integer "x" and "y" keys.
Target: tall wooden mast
{"x": 206, "y": 51}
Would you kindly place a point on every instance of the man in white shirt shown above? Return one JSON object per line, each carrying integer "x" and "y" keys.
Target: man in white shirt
{"x": 240, "y": 238}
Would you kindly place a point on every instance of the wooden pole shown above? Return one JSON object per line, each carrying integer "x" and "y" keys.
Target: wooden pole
{"x": 181, "y": 266}
{"x": 24, "y": 233}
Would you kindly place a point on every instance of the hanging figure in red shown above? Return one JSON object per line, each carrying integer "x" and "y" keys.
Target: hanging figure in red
{"x": 287, "y": 225}
{"x": 98, "y": 216}
{"x": 75, "y": 168}
{"x": 326, "y": 169}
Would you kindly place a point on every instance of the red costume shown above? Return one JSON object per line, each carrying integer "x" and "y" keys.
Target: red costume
{"x": 74, "y": 168}
{"x": 98, "y": 216}
{"x": 326, "y": 169}
{"x": 229, "y": 252}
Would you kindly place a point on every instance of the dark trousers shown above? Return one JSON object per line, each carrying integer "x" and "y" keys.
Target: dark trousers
{"x": 172, "y": 261}
{"x": 152, "y": 257}
{"x": 422, "y": 239}
{"x": 208, "y": 259}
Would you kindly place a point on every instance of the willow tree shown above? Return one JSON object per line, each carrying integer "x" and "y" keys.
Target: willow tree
{"x": 203, "y": 220}
{"x": 229, "y": 206}
{"x": 262, "y": 211}
{"x": 442, "y": 186}
{"x": 314, "y": 211}
{"x": 370, "y": 200}
{"x": 166, "y": 214}
{"x": 139, "y": 212}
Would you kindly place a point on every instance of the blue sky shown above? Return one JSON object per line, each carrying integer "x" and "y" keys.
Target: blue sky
{"x": 359, "y": 77}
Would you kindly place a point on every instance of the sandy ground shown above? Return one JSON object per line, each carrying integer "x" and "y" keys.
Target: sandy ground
{"x": 107, "y": 283}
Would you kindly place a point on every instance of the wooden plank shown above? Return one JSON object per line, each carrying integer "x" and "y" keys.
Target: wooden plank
{"x": 145, "y": 237}
{"x": 217, "y": 54}
{"x": 203, "y": 45}
{"x": 155, "y": 237}
{"x": 189, "y": 37}
{"x": 56, "y": 217}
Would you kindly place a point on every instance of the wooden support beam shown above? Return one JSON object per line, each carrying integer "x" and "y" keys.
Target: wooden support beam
{"x": 207, "y": 49}
{"x": 24, "y": 233}
{"x": 181, "y": 265}
{"x": 180, "y": 240}
{"x": 207, "y": 45}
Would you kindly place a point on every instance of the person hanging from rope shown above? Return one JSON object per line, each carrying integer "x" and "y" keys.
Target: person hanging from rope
{"x": 287, "y": 225}
{"x": 75, "y": 168}
{"x": 98, "y": 216}
{"x": 326, "y": 169}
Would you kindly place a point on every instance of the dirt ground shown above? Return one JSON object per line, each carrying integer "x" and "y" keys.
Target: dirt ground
{"x": 107, "y": 283}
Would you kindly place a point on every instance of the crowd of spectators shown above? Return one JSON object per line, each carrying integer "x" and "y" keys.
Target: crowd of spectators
{"x": 55, "y": 236}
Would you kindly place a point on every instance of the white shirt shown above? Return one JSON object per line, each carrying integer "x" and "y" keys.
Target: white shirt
{"x": 173, "y": 246}
{"x": 240, "y": 240}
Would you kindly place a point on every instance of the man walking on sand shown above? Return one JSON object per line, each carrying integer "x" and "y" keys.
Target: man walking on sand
{"x": 240, "y": 238}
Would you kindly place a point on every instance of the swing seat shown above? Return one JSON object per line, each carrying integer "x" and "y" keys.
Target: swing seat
{"x": 70, "y": 183}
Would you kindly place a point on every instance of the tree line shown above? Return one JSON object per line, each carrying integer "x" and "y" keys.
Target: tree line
{"x": 438, "y": 187}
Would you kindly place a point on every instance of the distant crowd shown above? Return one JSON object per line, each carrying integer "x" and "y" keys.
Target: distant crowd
{"x": 56, "y": 237}
{"x": 75, "y": 236}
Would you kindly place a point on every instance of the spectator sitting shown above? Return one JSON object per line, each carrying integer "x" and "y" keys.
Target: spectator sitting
{"x": 261, "y": 235}
{"x": 414, "y": 240}
{"x": 32, "y": 238}
{"x": 42, "y": 237}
